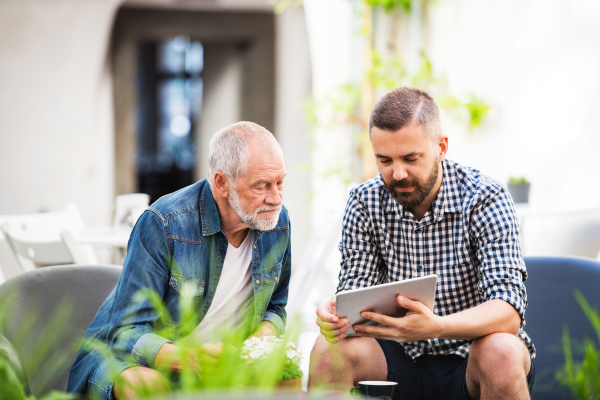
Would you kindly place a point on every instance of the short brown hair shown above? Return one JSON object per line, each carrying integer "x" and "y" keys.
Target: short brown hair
{"x": 406, "y": 106}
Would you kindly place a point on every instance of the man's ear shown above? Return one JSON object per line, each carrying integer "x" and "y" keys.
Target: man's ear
{"x": 443, "y": 146}
{"x": 222, "y": 184}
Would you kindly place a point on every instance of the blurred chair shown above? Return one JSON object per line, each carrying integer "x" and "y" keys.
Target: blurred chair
{"x": 552, "y": 306}
{"x": 52, "y": 222}
{"x": 45, "y": 249}
{"x": 43, "y": 318}
{"x": 129, "y": 207}
{"x": 575, "y": 233}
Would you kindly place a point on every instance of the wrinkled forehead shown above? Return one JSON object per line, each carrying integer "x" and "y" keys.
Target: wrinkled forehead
{"x": 265, "y": 161}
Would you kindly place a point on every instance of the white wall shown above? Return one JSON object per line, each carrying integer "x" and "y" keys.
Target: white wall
{"x": 537, "y": 63}
{"x": 55, "y": 108}
{"x": 56, "y": 115}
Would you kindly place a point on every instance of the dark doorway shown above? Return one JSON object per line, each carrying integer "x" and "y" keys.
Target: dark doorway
{"x": 169, "y": 87}
{"x": 178, "y": 77}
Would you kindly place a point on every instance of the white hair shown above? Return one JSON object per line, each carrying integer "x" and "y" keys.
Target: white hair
{"x": 229, "y": 149}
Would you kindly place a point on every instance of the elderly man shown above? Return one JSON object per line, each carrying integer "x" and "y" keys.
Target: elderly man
{"x": 426, "y": 215}
{"x": 221, "y": 245}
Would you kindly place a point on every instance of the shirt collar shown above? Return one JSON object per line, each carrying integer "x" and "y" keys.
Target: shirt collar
{"x": 209, "y": 212}
{"x": 450, "y": 194}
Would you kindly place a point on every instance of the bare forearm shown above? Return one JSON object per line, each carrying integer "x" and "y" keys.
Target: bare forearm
{"x": 492, "y": 316}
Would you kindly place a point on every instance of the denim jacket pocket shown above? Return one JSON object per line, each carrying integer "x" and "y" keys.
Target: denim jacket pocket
{"x": 187, "y": 287}
{"x": 271, "y": 274}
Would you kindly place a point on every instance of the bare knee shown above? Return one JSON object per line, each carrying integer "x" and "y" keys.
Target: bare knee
{"x": 343, "y": 363}
{"x": 499, "y": 350}
{"x": 499, "y": 361}
{"x": 139, "y": 381}
{"x": 349, "y": 351}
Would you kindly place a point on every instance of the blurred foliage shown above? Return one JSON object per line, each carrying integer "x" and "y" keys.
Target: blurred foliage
{"x": 582, "y": 378}
{"x": 349, "y": 104}
{"x": 517, "y": 181}
{"x": 391, "y": 5}
{"x": 230, "y": 372}
{"x": 280, "y": 6}
{"x": 341, "y": 106}
{"x": 44, "y": 355}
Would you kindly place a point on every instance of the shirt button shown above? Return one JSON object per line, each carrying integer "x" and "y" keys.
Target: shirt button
{"x": 420, "y": 268}
{"x": 418, "y": 230}
{"x": 219, "y": 258}
{"x": 257, "y": 281}
{"x": 254, "y": 247}
{"x": 276, "y": 279}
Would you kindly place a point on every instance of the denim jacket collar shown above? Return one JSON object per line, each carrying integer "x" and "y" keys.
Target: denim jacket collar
{"x": 209, "y": 212}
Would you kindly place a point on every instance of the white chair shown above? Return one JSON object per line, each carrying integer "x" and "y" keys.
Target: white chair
{"x": 129, "y": 207}
{"x": 52, "y": 222}
{"x": 574, "y": 233}
{"x": 35, "y": 249}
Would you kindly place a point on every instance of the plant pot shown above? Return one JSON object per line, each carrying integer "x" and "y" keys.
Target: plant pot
{"x": 290, "y": 385}
{"x": 520, "y": 192}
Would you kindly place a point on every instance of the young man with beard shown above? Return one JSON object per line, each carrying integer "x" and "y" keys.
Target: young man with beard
{"x": 427, "y": 215}
{"x": 222, "y": 245}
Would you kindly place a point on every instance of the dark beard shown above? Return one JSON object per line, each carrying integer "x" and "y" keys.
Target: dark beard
{"x": 418, "y": 194}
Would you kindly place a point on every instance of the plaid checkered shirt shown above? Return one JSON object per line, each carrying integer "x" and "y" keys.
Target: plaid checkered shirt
{"x": 469, "y": 238}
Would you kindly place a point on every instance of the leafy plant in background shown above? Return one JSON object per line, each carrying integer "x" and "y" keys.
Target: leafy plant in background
{"x": 279, "y": 6}
{"x": 231, "y": 372}
{"x": 44, "y": 355}
{"x": 350, "y": 103}
{"x": 517, "y": 181}
{"x": 582, "y": 378}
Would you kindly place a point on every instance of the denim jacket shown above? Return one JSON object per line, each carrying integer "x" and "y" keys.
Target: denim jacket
{"x": 176, "y": 249}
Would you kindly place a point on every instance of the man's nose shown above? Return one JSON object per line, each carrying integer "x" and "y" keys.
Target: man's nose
{"x": 274, "y": 197}
{"x": 399, "y": 172}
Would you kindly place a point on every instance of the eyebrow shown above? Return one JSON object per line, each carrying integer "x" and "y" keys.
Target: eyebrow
{"x": 414, "y": 153}
{"x": 259, "y": 181}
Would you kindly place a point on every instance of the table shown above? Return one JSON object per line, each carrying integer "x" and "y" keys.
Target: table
{"x": 115, "y": 238}
{"x": 104, "y": 236}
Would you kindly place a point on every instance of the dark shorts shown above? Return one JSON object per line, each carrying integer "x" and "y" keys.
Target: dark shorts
{"x": 430, "y": 377}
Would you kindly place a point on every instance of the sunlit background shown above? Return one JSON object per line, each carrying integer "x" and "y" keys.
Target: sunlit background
{"x": 101, "y": 98}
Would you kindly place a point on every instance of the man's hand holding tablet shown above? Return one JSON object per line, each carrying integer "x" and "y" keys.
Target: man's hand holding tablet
{"x": 333, "y": 328}
{"x": 389, "y": 306}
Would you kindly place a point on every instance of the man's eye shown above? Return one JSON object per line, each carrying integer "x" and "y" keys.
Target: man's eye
{"x": 412, "y": 159}
{"x": 385, "y": 161}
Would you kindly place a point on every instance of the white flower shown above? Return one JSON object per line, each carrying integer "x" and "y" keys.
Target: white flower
{"x": 256, "y": 348}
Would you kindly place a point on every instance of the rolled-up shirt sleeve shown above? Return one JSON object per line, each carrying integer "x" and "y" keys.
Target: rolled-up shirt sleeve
{"x": 359, "y": 252}
{"x": 501, "y": 268}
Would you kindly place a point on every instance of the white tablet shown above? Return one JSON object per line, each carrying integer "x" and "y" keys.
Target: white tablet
{"x": 382, "y": 299}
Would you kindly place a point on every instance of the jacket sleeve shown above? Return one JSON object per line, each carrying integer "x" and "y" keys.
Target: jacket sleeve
{"x": 145, "y": 276}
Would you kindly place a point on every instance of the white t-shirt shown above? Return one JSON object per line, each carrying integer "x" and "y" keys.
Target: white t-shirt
{"x": 233, "y": 297}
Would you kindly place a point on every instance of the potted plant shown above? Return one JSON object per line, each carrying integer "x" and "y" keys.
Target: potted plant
{"x": 519, "y": 189}
{"x": 259, "y": 353}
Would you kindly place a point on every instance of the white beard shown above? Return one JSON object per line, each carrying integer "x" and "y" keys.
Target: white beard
{"x": 255, "y": 220}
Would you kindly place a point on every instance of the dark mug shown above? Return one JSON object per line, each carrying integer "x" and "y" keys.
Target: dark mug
{"x": 373, "y": 389}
